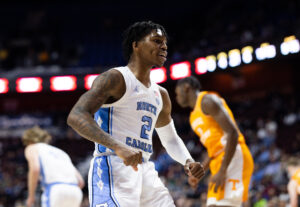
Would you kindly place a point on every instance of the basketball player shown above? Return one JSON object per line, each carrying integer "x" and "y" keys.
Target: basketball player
{"x": 293, "y": 168}
{"x": 231, "y": 163}
{"x": 127, "y": 106}
{"x": 60, "y": 180}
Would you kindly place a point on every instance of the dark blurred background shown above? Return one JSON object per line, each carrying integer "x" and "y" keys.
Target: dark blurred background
{"x": 49, "y": 39}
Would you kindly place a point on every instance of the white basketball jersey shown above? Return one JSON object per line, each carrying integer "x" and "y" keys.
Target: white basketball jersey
{"x": 131, "y": 119}
{"x": 55, "y": 165}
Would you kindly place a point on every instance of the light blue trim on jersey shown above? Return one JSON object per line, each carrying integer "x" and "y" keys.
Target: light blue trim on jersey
{"x": 111, "y": 182}
{"x": 46, "y": 197}
{"x": 43, "y": 178}
{"x": 100, "y": 187}
{"x": 103, "y": 114}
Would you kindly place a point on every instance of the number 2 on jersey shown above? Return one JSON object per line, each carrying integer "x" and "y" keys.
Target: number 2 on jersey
{"x": 146, "y": 127}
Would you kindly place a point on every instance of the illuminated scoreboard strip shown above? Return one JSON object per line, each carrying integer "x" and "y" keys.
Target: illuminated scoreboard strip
{"x": 247, "y": 54}
{"x": 223, "y": 60}
{"x": 290, "y": 45}
{"x": 29, "y": 85}
{"x": 265, "y": 51}
{"x": 158, "y": 75}
{"x": 63, "y": 83}
{"x": 234, "y": 58}
{"x": 3, "y": 85}
{"x": 88, "y": 80}
{"x": 211, "y": 63}
{"x": 201, "y": 65}
{"x": 180, "y": 70}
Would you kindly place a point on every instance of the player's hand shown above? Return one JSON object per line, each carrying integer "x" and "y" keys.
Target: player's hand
{"x": 218, "y": 180}
{"x": 194, "y": 169}
{"x": 129, "y": 157}
{"x": 193, "y": 182}
{"x": 30, "y": 201}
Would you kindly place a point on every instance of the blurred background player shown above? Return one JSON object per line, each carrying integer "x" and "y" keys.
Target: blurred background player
{"x": 60, "y": 180}
{"x": 127, "y": 107}
{"x": 229, "y": 158}
{"x": 293, "y": 168}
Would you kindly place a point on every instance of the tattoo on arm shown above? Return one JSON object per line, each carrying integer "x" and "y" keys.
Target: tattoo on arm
{"x": 108, "y": 85}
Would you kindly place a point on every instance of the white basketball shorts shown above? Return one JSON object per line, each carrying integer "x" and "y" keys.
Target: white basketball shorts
{"x": 62, "y": 195}
{"x": 112, "y": 184}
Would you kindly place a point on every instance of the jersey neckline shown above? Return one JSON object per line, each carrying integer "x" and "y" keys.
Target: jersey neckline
{"x": 140, "y": 83}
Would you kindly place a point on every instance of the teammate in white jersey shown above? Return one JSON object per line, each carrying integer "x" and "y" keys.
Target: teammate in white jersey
{"x": 119, "y": 114}
{"x": 60, "y": 180}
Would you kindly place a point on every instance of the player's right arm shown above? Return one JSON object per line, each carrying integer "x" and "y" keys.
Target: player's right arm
{"x": 174, "y": 145}
{"x": 107, "y": 88}
{"x": 292, "y": 189}
{"x": 212, "y": 105}
{"x": 32, "y": 157}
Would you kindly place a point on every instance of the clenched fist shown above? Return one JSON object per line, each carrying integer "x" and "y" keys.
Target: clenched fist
{"x": 195, "y": 169}
{"x": 129, "y": 157}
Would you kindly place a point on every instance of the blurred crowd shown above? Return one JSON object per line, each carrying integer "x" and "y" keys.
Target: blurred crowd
{"x": 271, "y": 131}
{"x": 46, "y": 38}
{"x": 88, "y": 36}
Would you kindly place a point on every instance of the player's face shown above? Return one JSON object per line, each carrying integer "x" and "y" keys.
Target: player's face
{"x": 181, "y": 96}
{"x": 153, "y": 48}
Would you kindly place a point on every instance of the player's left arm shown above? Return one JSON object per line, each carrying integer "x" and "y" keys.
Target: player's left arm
{"x": 172, "y": 142}
{"x": 31, "y": 155}
{"x": 212, "y": 105}
{"x": 292, "y": 189}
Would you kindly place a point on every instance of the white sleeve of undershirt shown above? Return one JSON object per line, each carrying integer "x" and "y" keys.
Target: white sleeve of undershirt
{"x": 173, "y": 143}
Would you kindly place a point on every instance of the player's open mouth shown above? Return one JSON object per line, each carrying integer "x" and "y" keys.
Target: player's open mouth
{"x": 163, "y": 57}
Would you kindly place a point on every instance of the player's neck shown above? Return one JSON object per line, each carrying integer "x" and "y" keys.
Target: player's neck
{"x": 141, "y": 72}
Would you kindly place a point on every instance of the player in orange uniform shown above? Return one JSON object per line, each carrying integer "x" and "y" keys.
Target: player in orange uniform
{"x": 230, "y": 161}
{"x": 293, "y": 168}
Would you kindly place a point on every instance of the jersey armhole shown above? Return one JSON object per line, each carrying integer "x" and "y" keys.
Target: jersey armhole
{"x": 127, "y": 84}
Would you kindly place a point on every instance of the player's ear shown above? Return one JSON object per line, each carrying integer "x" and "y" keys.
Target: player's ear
{"x": 134, "y": 45}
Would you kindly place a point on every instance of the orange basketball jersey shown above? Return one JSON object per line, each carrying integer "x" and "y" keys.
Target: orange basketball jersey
{"x": 208, "y": 130}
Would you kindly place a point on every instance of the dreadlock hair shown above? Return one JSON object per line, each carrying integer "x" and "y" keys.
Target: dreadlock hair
{"x": 137, "y": 32}
{"x": 192, "y": 81}
{"x": 35, "y": 135}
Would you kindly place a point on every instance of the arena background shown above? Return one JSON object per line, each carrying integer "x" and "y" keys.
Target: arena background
{"x": 209, "y": 39}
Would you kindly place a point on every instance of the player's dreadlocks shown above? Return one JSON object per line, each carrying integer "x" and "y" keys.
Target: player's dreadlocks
{"x": 137, "y": 32}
